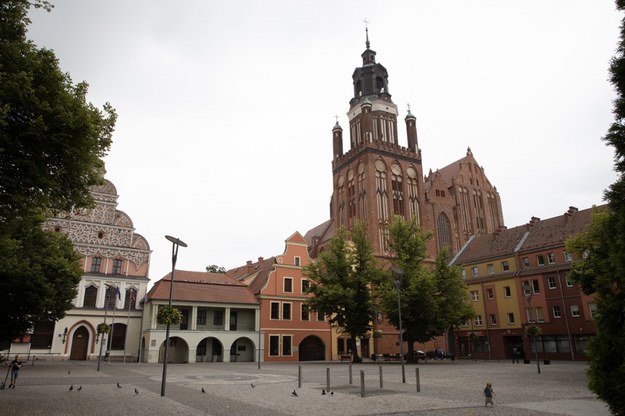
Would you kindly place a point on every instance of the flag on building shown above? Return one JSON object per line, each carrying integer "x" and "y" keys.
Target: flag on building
{"x": 119, "y": 294}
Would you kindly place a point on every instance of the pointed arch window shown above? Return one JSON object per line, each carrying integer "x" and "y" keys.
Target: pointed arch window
{"x": 381, "y": 191}
{"x": 91, "y": 295}
{"x": 398, "y": 190}
{"x": 341, "y": 200}
{"x": 130, "y": 300}
{"x": 351, "y": 198}
{"x": 413, "y": 194}
{"x": 362, "y": 191}
{"x": 443, "y": 227}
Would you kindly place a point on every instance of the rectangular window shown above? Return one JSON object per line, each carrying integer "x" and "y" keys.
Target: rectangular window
{"x": 490, "y": 293}
{"x": 286, "y": 345}
{"x": 478, "y": 320}
{"x": 464, "y": 273}
{"x": 551, "y": 258}
{"x": 526, "y": 262}
{"x": 507, "y": 292}
{"x": 551, "y": 282}
{"x": 510, "y": 317}
{"x": 490, "y": 268}
{"x": 505, "y": 266}
{"x": 305, "y": 285}
{"x": 539, "y": 314}
{"x": 540, "y": 260}
{"x": 296, "y": 261}
{"x": 575, "y": 311}
{"x": 321, "y": 316}
{"x": 288, "y": 285}
{"x": 568, "y": 256}
{"x": 274, "y": 345}
{"x": 286, "y": 311}
{"x": 96, "y": 263}
{"x": 117, "y": 266}
{"x": 305, "y": 312}
{"x": 218, "y": 318}
{"x": 201, "y": 317}
{"x": 527, "y": 290}
{"x": 493, "y": 319}
{"x": 474, "y": 296}
{"x": 275, "y": 310}
{"x": 535, "y": 286}
{"x": 592, "y": 308}
{"x": 474, "y": 271}
{"x": 556, "y": 312}
{"x": 568, "y": 282}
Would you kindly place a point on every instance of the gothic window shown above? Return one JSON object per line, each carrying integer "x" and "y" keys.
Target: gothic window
{"x": 351, "y": 198}
{"x": 117, "y": 266}
{"x": 443, "y": 227}
{"x": 413, "y": 193}
{"x": 118, "y": 336}
{"x": 131, "y": 299}
{"x": 96, "y": 263}
{"x": 398, "y": 190}
{"x": 478, "y": 203}
{"x": 381, "y": 191}
{"x": 341, "y": 200}
{"x": 493, "y": 209}
{"x": 464, "y": 208}
{"x": 110, "y": 297}
{"x": 91, "y": 295}
{"x": 362, "y": 191}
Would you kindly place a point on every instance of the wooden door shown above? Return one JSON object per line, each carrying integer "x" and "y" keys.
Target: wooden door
{"x": 80, "y": 344}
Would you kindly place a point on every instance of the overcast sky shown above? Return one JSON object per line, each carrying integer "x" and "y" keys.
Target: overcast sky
{"x": 226, "y": 108}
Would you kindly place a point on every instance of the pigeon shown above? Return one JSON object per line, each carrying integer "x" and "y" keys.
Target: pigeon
{"x": 323, "y": 392}
{"x": 203, "y": 391}
{"x": 136, "y": 391}
{"x": 118, "y": 386}
{"x": 252, "y": 384}
{"x": 331, "y": 393}
{"x": 71, "y": 387}
{"x": 294, "y": 393}
{"x": 80, "y": 388}
{"x": 69, "y": 372}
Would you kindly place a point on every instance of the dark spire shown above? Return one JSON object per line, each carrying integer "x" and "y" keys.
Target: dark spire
{"x": 367, "y": 34}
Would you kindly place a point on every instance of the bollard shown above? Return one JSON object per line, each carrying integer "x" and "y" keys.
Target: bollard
{"x": 381, "y": 379}
{"x": 34, "y": 358}
{"x": 418, "y": 381}
{"x": 362, "y": 383}
{"x": 328, "y": 379}
{"x": 350, "y": 373}
{"x": 299, "y": 376}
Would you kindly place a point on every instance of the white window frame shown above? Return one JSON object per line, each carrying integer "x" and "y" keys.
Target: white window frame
{"x": 290, "y": 318}
{"x": 475, "y": 271}
{"x": 475, "y": 296}
{"x": 478, "y": 320}
{"x": 555, "y": 311}
{"x": 551, "y": 258}
{"x": 490, "y": 268}
{"x": 287, "y": 279}
{"x": 575, "y": 311}
{"x": 507, "y": 292}
{"x": 271, "y": 310}
{"x": 493, "y": 319}
{"x": 511, "y": 319}
{"x": 551, "y": 282}
{"x": 568, "y": 257}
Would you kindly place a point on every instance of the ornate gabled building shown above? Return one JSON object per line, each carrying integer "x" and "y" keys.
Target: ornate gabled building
{"x": 115, "y": 262}
{"x": 377, "y": 177}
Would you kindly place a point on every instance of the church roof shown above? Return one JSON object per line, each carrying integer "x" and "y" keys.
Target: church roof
{"x": 253, "y": 275}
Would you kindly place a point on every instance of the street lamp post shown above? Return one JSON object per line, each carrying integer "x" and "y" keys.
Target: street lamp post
{"x": 176, "y": 242}
{"x": 400, "y": 273}
{"x": 528, "y": 296}
{"x": 106, "y": 308}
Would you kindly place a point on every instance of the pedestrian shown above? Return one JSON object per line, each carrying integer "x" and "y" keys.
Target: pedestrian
{"x": 15, "y": 369}
{"x": 515, "y": 354}
{"x": 488, "y": 395}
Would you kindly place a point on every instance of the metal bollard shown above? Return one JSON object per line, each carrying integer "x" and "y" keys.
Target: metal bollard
{"x": 350, "y": 373}
{"x": 299, "y": 376}
{"x": 381, "y": 379}
{"x": 362, "y": 383}
{"x": 328, "y": 379}
{"x": 418, "y": 381}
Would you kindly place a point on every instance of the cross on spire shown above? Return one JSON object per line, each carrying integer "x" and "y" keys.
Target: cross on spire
{"x": 367, "y": 31}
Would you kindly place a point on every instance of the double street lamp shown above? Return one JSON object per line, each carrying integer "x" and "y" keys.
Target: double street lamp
{"x": 176, "y": 243}
{"x": 400, "y": 273}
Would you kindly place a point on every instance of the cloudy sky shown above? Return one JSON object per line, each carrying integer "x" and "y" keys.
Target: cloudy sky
{"x": 226, "y": 107}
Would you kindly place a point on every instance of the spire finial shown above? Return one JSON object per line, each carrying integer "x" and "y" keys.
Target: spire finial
{"x": 367, "y": 31}
{"x": 409, "y": 113}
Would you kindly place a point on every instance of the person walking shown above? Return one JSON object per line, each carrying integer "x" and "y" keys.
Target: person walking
{"x": 515, "y": 354}
{"x": 15, "y": 365}
{"x": 488, "y": 395}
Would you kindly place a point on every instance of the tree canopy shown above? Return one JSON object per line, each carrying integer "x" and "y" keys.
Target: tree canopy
{"x": 433, "y": 297}
{"x": 341, "y": 280}
{"x": 51, "y": 144}
{"x": 600, "y": 250}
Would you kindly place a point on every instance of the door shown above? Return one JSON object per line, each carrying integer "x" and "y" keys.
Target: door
{"x": 80, "y": 344}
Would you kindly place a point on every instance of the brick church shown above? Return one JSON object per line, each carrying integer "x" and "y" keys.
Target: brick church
{"x": 376, "y": 177}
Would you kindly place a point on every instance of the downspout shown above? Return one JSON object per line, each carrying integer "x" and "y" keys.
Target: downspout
{"x": 490, "y": 350}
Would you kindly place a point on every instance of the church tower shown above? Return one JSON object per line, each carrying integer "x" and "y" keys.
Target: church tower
{"x": 376, "y": 178}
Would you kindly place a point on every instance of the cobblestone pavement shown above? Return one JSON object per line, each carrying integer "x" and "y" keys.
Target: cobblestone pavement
{"x": 446, "y": 388}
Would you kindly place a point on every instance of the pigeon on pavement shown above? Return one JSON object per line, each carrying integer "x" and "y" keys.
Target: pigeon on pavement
{"x": 294, "y": 393}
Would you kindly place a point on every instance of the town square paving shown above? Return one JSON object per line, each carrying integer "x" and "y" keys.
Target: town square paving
{"x": 446, "y": 388}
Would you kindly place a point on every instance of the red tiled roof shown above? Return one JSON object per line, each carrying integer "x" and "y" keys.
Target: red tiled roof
{"x": 497, "y": 244}
{"x": 202, "y": 287}
{"x": 253, "y": 274}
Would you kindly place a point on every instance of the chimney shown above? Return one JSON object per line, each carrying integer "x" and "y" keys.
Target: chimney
{"x": 249, "y": 266}
{"x": 568, "y": 215}
{"x": 260, "y": 259}
{"x": 533, "y": 221}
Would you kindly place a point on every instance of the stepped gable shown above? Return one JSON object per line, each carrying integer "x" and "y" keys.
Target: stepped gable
{"x": 498, "y": 244}
{"x": 253, "y": 275}
{"x": 202, "y": 287}
{"x": 554, "y": 231}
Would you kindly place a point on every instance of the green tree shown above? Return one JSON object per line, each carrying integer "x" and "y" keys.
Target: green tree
{"x": 340, "y": 281}
{"x": 51, "y": 144}
{"x": 433, "y": 299}
{"x": 601, "y": 253}
{"x": 213, "y": 268}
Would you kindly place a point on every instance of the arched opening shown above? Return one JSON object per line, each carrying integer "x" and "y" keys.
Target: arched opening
{"x": 312, "y": 349}
{"x": 178, "y": 351}
{"x": 242, "y": 350}
{"x": 80, "y": 344}
{"x": 209, "y": 350}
